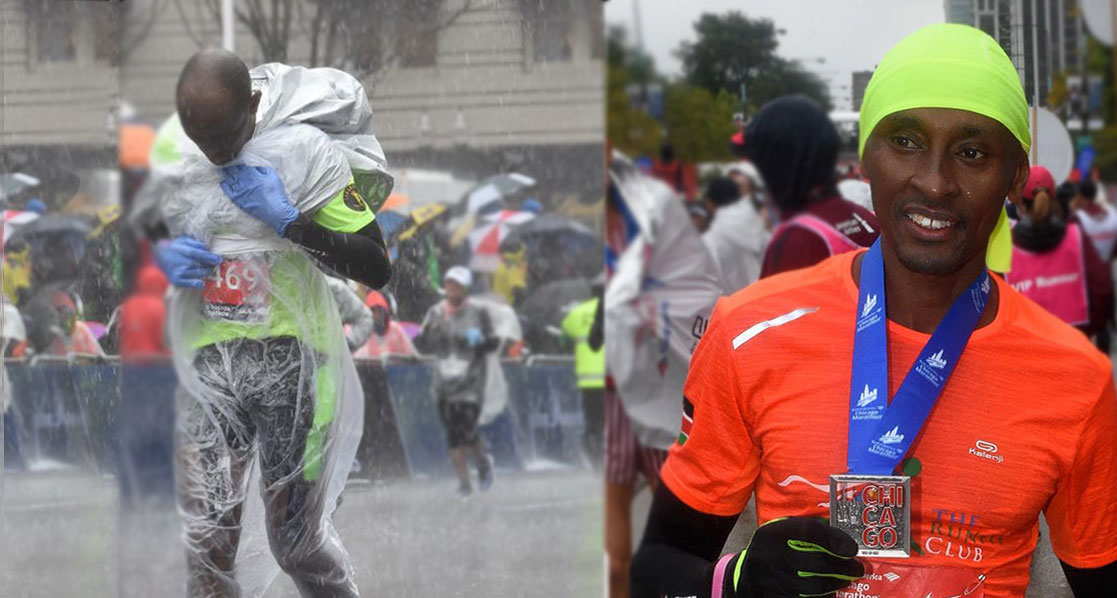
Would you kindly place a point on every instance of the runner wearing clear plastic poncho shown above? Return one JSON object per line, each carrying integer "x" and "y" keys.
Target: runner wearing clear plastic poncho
{"x": 268, "y": 388}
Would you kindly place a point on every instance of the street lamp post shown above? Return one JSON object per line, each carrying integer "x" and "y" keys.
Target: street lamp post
{"x": 227, "y": 25}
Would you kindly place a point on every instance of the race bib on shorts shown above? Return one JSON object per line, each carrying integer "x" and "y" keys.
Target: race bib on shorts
{"x": 891, "y": 579}
{"x": 236, "y": 291}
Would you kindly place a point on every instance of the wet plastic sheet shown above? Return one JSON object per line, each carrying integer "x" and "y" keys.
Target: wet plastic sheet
{"x": 333, "y": 102}
{"x": 657, "y": 305}
{"x": 506, "y": 326}
{"x": 270, "y": 408}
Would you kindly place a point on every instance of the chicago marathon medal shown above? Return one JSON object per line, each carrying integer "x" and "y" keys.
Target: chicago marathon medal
{"x": 875, "y": 511}
{"x": 868, "y": 503}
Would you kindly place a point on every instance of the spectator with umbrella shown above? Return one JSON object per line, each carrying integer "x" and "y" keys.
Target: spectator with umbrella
{"x": 510, "y": 277}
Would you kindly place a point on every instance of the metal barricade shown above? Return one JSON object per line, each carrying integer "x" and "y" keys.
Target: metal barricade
{"x": 99, "y": 413}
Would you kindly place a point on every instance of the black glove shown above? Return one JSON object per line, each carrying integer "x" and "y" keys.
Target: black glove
{"x": 794, "y": 556}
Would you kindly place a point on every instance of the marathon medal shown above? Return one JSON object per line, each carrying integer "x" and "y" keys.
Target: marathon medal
{"x": 868, "y": 502}
{"x": 875, "y": 511}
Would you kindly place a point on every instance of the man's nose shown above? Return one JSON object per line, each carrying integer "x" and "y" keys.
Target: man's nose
{"x": 936, "y": 179}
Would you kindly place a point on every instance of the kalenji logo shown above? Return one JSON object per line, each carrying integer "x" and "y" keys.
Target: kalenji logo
{"x": 867, "y": 396}
{"x": 986, "y": 450}
{"x": 937, "y": 360}
{"x": 892, "y": 436}
{"x": 870, "y": 304}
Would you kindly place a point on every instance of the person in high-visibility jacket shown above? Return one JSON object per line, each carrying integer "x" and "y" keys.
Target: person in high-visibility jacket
{"x": 589, "y": 367}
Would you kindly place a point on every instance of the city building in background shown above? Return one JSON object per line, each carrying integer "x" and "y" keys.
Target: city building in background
{"x": 474, "y": 87}
{"x": 60, "y": 85}
{"x": 1046, "y": 40}
{"x": 860, "y": 82}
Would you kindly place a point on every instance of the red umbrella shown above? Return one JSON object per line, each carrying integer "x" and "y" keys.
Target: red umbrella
{"x": 485, "y": 239}
{"x": 13, "y": 219}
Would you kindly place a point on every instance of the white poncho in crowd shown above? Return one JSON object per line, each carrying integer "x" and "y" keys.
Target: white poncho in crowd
{"x": 657, "y": 304}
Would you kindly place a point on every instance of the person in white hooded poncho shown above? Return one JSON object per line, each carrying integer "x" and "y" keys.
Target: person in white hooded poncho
{"x": 263, "y": 196}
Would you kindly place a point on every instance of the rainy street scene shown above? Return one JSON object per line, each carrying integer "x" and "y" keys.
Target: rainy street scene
{"x": 558, "y": 298}
{"x": 298, "y": 298}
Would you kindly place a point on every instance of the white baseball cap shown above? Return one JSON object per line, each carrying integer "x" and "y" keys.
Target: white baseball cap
{"x": 460, "y": 275}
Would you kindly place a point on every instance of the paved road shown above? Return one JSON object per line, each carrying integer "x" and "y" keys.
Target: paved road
{"x": 64, "y": 536}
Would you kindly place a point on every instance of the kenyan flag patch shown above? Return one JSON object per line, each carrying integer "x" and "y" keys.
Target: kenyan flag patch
{"x": 688, "y": 421}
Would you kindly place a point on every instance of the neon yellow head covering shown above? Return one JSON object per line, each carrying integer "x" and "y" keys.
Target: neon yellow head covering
{"x": 951, "y": 66}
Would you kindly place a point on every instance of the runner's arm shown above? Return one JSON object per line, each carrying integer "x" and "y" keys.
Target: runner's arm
{"x": 1091, "y": 583}
{"x": 431, "y": 334}
{"x": 679, "y": 550}
{"x": 359, "y": 256}
{"x": 492, "y": 341}
{"x": 597, "y": 330}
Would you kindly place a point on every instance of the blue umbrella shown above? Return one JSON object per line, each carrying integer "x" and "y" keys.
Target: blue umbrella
{"x": 391, "y": 223}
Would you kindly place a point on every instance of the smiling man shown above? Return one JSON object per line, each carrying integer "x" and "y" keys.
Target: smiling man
{"x": 963, "y": 409}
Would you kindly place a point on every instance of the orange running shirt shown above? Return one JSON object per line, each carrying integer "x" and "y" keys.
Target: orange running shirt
{"x": 1026, "y": 423}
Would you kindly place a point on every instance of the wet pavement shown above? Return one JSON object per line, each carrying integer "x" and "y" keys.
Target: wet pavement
{"x": 533, "y": 534}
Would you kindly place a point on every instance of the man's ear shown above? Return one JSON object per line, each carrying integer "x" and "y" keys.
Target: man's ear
{"x": 1020, "y": 179}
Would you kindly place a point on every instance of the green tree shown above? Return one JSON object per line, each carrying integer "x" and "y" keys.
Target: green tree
{"x": 732, "y": 50}
{"x": 630, "y": 129}
{"x": 700, "y": 123}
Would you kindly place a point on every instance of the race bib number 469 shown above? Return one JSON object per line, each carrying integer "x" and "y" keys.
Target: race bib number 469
{"x": 236, "y": 291}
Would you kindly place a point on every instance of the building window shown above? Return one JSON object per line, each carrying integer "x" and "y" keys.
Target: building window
{"x": 551, "y": 40}
{"x": 107, "y": 32}
{"x": 988, "y": 25}
{"x": 56, "y": 34}
{"x": 551, "y": 27}
{"x": 596, "y": 12}
{"x": 417, "y": 46}
{"x": 417, "y": 41}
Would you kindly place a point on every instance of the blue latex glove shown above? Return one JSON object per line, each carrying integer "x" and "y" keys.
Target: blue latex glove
{"x": 474, "y": 337}
{"x": 259, "y": 191}
{"x": 186, "y": 261}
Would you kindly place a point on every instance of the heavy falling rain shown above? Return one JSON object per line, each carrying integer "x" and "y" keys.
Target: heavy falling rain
{"x": 367, "y": 386}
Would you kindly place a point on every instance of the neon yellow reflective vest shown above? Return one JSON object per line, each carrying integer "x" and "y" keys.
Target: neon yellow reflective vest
{"x": 589, "y": 365}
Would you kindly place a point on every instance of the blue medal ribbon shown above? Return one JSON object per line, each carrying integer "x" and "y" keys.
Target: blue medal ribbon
{"x": 881, "y": 434}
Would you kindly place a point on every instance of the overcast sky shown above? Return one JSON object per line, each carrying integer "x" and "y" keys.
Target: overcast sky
{"x": 852, "y": 35}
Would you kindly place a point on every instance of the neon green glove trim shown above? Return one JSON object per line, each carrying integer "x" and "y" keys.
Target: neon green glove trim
{"x": 741, "y": 557}
{"x": 833, "y": 575}
{"x": 802, "y": 546}
{"x": 737, "y": 569}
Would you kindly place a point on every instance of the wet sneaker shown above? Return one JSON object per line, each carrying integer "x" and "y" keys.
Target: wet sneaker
{"x": 485, "y": 474}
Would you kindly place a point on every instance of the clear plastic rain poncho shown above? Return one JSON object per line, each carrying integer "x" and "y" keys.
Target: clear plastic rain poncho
{"x": 270, "y": 407}
{"x": 657, "y": 304}
{"x": 506, "y": 326}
